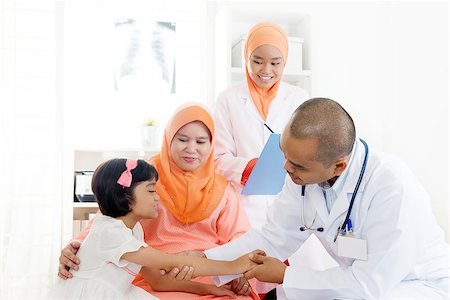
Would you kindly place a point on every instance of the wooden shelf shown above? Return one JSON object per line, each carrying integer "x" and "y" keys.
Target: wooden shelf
{"x": 231, "y": 24}
{"x": 85, "y": 204}
{"x": 77, "y": 214}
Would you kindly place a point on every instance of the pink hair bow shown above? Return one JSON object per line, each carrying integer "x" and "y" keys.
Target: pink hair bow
{"x": 126, "y": 177}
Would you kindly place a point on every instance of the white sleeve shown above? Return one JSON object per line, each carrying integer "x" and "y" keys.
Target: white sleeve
{"x": 116, "y": 240}
{"x": 280, "y": 237}
{"x": 228, "y": 163}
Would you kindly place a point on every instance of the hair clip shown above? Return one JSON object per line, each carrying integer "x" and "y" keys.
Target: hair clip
{"x": 126, "y": 177}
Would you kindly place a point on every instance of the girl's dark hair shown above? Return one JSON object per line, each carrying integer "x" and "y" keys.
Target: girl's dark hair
{"x": 113, "y": 199}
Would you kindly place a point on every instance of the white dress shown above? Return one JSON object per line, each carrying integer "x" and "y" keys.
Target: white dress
{"x": 102, "y": 274}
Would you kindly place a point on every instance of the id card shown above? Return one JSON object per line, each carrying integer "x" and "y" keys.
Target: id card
{"x": 351, "y": 247}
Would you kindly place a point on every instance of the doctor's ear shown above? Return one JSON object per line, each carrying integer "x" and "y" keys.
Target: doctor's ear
{"x": 340, "y": 165}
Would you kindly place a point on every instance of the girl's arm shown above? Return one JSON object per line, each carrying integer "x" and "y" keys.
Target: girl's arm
{"x": 153, "y": 258}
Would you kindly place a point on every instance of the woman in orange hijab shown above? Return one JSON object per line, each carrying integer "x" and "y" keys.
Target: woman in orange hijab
{"x": 246, "y": 113}
{"x": 199, "y": 209}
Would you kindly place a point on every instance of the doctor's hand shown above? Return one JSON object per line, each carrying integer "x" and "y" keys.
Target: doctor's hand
{"x": 269, "y": 269}
{"x": 68, "y": 260}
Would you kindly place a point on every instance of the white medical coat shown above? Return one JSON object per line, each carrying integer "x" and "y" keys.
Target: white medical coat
{"x": 240, "y": 135}
{"x": 391, "y": 212}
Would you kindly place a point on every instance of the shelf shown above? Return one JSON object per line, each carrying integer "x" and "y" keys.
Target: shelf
{"x": 85, "y": 205}
{"x": 77, "y": 214}
{"x": 118, "y": 149}
{"x": 231, "y": 24}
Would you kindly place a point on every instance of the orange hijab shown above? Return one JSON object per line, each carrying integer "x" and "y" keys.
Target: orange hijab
{"x": 190, "y": 196}
{"x": 264, "y": 34}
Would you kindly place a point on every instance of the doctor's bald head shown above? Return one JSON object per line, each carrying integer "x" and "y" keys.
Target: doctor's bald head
{"x": 327, "y": 122}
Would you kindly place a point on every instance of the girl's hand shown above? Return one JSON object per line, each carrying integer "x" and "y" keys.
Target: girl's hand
{"x": 244, "y": 263}
{"x": 68, "y": 260}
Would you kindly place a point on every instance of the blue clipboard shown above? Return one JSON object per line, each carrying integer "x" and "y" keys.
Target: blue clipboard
{"x": 267, "y": 177}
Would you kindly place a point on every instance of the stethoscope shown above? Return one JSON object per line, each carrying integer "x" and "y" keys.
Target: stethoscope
{"x": 341, "y": 229}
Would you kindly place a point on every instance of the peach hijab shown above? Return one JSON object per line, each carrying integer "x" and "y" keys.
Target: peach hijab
{"x": 190, "y": 196}
{"x": 264, "y": 34}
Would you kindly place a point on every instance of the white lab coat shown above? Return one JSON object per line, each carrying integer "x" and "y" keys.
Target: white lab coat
{"x": 240, "y": 135}
{"x": 391, "y": 212}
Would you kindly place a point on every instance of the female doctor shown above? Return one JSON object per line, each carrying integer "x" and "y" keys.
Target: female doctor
{"x": 366, "y": 208}
{"x": 246, "y": 113}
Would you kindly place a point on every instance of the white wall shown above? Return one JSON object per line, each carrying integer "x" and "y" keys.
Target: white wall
{"x": 92, "y": 107}
{"x": 387, "y": 63}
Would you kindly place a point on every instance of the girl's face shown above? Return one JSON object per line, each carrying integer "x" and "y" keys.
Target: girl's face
{"x": 191, "y": 146}
{"x": 146, "y": 200}
{"x": 265, "y": 66}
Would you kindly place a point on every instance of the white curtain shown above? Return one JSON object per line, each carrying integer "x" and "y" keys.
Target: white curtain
{"x": 30, "y": 159}
{"x": 48, "y": 50}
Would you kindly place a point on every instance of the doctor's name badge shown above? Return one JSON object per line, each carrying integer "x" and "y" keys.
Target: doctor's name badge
{"x": 352, "y": 247}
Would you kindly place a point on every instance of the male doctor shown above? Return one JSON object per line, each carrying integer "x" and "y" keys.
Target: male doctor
{"x": 386, "y": 240}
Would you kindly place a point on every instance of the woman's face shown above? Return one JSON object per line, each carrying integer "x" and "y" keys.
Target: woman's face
{"x": 265, "y": 66}
{"x": 191, "y": 146}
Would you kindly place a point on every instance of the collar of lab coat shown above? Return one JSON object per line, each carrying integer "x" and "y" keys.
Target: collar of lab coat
{"x": 342, "y": 202}
{"x": 244, "y": 94}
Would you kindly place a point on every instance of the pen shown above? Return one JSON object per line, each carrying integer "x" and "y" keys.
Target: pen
{"x": 337, "y": 233}
{"x": 349, "y": 226}
{"x": 267, "y": 126}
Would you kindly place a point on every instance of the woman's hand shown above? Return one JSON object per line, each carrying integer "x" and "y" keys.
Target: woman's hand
{"x": 241, "y": 286}
{"x": 68, "y": 260}
{"x": 184, "y": 274}
{"x": 224, "y": 290}
{"x": 175, "y": 281}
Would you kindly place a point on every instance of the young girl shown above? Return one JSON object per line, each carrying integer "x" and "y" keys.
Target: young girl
{"x": 114, "y": 250}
